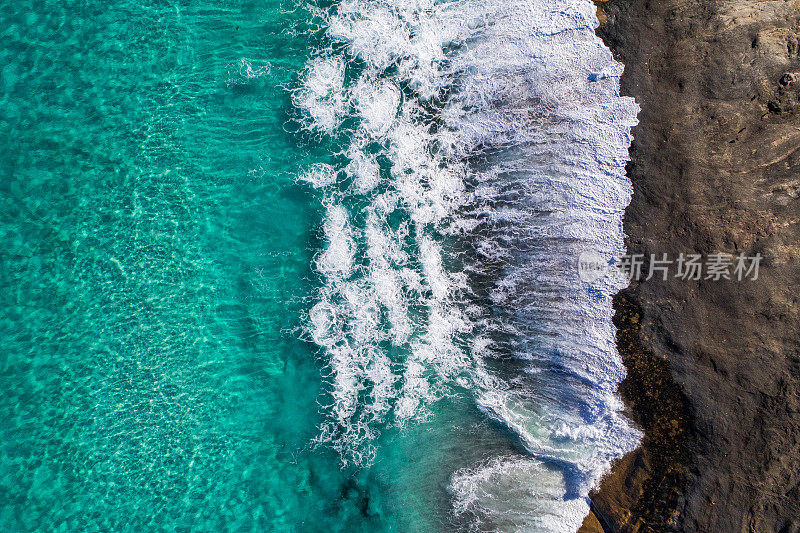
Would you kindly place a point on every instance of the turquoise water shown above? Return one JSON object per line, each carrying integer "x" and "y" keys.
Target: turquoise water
{"x": 272, "y": 268}
{"x": 157, "y": 253}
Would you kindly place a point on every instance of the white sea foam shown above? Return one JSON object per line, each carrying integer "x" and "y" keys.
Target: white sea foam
{"x": 517, "y": 494}
{"x": 364, "y": 170}
{"x": 336, "y": 262}
{"x": 528, "y": 87}
{"x": 245, "y": 70}
{"x": 322, "y": 95}
{"x": 377, "y": 103}
{"x": 320, "y": 175}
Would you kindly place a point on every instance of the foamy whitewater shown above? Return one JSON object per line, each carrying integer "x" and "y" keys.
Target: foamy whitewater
{"x": 483, "y": 149}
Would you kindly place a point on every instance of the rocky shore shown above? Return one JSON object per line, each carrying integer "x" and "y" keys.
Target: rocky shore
{"x": 713, "y": 366}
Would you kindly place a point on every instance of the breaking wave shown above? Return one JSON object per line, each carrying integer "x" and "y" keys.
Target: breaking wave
{"x": 483, "y": 147}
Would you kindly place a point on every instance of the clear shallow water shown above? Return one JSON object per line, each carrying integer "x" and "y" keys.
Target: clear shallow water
{"x": 162, "y": 262}
{"x": 156, "y": 255}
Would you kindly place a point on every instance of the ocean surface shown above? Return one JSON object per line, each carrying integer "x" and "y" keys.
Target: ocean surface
{"x": 287, "y": 267}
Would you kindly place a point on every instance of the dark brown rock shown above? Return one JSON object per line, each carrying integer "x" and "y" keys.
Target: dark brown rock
{"x": 714, "y": 366}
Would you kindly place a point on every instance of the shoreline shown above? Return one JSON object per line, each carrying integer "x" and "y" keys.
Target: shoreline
{"x": 644, "y": 486}
{"x": 713, "y": 368}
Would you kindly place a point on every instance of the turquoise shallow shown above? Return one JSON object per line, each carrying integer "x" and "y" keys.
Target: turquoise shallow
{"x": 272, "y": 267}
{"x": 156, "y": 257}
